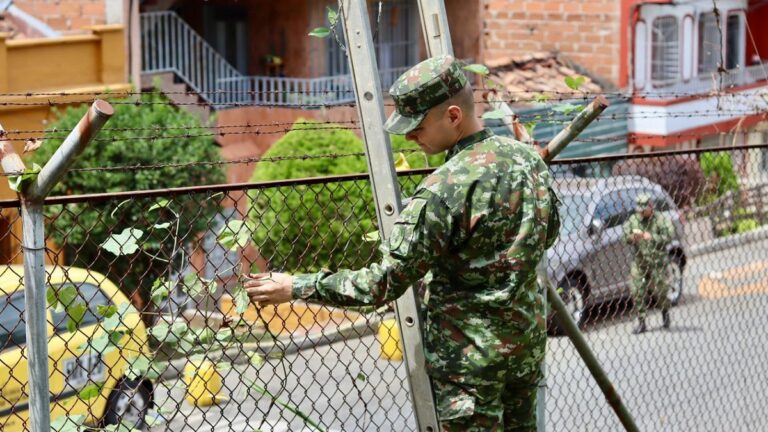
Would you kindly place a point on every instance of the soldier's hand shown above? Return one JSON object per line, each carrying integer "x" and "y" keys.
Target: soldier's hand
{"x": 646, "y": 235}
{"x": 269, "y": 288}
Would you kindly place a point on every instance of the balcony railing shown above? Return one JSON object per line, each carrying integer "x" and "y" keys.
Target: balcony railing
{"x": 709, "y": 83}
{"x": 169, "y": 44}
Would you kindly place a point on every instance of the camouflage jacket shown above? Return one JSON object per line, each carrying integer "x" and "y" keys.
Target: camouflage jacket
{"x": 474, "y": 230}
{"x": 661, "y": 230}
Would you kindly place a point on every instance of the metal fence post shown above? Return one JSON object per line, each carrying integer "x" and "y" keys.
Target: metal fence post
{"x": 33, "y": 247}
{"x": 364, "y": 70}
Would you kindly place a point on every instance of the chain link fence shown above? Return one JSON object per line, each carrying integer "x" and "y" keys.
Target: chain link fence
{"x": 149, "y": 324}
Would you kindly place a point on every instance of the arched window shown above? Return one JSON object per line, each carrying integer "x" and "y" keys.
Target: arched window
{"x": 665, "y": 51}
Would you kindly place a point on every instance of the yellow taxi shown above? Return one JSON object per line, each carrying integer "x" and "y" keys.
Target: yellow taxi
{"x": 86, "y": 382}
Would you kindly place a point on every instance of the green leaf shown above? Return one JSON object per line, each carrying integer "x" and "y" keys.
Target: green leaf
{"x": 160, "y": 331}
{"x": 90, "y": 391}
{"x": 225, "y": 335}
{"x": 530, "y": 126}
{"x": 361, "y": 377}
{"x": 372, "y": 236}
{"x": 153, "y": 420}
{"x": 163, "y": 203}
{"x": 63, "y": 296}
{"x": 160, "y": 290}
{"x": 137, "y": 367}
{"x": 19, "y": 182}
{"x": 333, "y": 17}
{"x": 164, "y": 225}
{"x": 205, "y": 336}
{"x": 477, "y": 68}
{"x": 494, "y": 115}
{"x": 75, "y": 314}
{"x": 68, "y": 423}
{"x": 320, "y": 32}
{"x": 124, "y": 243}
{"x": 256, "y": 359}
{"x": 566, "y": 108}
{"x": 540, "y": 98}
{"x": 223, "y": 366}
{"x": 236, "y": 234}
{"x": 574, "y": 82}
{"x": 240, "y": 298}
{"x": 106, "y": 311}
{"x": 194, "y": 284}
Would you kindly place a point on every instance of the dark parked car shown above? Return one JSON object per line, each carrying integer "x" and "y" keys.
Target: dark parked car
{"x": 590, "y": 262}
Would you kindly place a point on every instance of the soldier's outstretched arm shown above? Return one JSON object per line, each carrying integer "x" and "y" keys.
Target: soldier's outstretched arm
{"x": 419, "y": 237}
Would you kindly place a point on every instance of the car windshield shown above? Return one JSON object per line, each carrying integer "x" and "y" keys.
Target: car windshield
{"x": 572, "y": 211}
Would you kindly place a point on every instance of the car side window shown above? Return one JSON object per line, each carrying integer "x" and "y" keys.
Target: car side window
{"x": 615, "y": 207}
{"x": 89, "y": 294}
{"x": 12, "y": 331}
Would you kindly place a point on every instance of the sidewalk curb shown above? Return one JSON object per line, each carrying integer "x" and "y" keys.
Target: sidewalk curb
{"x": 728, "y": 242}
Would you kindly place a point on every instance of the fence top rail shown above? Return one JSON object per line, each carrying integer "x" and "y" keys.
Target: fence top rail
{"x": 71, "y": 199}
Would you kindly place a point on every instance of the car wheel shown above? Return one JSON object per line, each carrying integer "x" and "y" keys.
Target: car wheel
{"x": 574, "y": 295}
{"x": 675, "y": 280}
{"x": 128, "y": 403}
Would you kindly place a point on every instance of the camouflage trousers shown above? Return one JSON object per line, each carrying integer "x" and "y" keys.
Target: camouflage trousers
{"x": 484, "y": 377}
{"x": 649, "y": 282}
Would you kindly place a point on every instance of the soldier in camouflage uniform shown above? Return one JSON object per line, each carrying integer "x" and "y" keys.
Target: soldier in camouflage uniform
{"x": 474, "y": 231}
{"x": 649, "y": 233}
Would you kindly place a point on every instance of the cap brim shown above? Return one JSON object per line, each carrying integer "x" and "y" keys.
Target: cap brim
{"x": 400, "y": 125}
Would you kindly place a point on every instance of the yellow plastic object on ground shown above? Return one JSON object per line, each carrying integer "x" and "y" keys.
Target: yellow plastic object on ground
{"x": 389, "y": 338}
{"x": 203, "y": 383}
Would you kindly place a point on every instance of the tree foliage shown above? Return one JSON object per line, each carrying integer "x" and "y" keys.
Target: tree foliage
{"x": 80, "y": 228}
{"x": 303, "y": 228}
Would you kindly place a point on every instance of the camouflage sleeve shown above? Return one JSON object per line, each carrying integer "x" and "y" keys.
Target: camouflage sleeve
{"x": 419, "y": 237}
{"x": 553, "y": 224}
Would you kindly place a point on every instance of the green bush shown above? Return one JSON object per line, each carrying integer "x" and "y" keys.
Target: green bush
{"x": 745, "y": 225}
{"x": 304, "y": 228}
{"x": 80, "y": 228}
{"x": 720, "y": 177}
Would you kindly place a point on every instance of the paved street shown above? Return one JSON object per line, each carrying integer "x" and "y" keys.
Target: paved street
{"x": 707, "y": 373}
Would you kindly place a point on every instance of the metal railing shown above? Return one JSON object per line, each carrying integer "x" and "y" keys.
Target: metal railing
{"x": 170, "y": 44}
{"x": 707, "y": 83}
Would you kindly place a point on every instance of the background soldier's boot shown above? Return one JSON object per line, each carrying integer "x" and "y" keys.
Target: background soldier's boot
{"x": 640, "y": 327}
{"x": 665, "y": 319}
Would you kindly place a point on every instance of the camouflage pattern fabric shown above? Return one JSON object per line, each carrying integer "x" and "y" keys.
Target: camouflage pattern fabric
{"x": 422, "y": 87}
{"x": 649, "y": 268}
{"x": 474, "y": 231}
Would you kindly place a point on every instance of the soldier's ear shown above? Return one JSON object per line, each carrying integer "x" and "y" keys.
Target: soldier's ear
{"x": 455, "y": 114}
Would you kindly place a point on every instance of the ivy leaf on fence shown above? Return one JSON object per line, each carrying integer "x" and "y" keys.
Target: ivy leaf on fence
{"x": 333, "y": 17}
{"x": 236, "y": 234}
{"x": 75, "y": 315}
{"x": 320, "y": 32}
{"x": 494, "y": 115}
{"x": 61, "y": 298}
{"x": 68, "y": 423}
{"x": 574, "y": 82}
{"x": 106, "y": 310}
{"x": 124, "y": 243}
{"x": 90, "y": 391}
{"x": 372, "y": 236}
{"x": 194, "y": 285}
{"x": 567, "y": 108}
{"x": 161, "y": 288}
{"x": 478, "y": 69}
{"x": 240, "y": 298}
{"x": 19, "y": 182}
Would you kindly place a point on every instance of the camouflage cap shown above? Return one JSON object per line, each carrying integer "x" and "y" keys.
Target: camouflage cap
{"x": 422, "y": 87}
{"x": 642, "y": 201}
